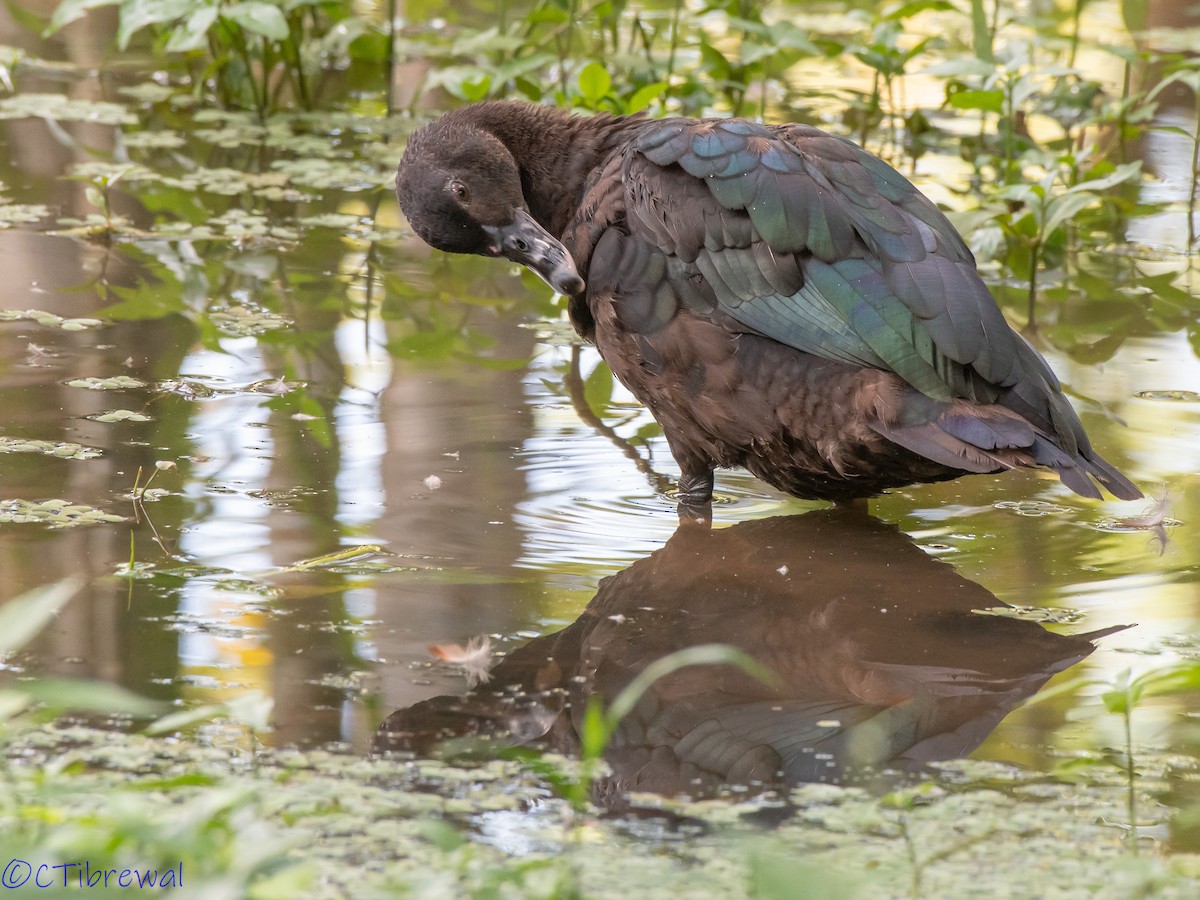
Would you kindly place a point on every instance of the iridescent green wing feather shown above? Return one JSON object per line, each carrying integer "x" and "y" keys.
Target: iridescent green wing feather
{"x": 839, "y": 255}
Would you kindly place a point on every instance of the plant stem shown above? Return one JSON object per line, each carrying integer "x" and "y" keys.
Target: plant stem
{"x": 1124, "y": 107}
{"x": 1010, "y": 115}
{"x": 1035, "y": 254}
{"x": 1191, "y": 214}
{"x": 675, "y": 14}
{"x": 391, "y": 57}
{"x": 244, "y": 52}
{"x": 911, "y": 851}
{"x": 295, "y": 27}
{"x": 1129, "y": 776}
{"x": 1075, "y": 32}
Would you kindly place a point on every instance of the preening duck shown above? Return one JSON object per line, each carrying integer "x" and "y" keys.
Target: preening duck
{"x": 778, "y": 297}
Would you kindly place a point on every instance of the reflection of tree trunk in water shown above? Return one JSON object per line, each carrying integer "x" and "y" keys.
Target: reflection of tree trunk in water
{"x": 109, "y": 630}
{"x": 304, "y": 648}
{"x": 1143, "y": 19}
{"x": 575, "y": 390}
{"x": 464, "y": 424}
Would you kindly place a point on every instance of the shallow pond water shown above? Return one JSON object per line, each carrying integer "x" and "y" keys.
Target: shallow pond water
{"x": 286, "y": 448}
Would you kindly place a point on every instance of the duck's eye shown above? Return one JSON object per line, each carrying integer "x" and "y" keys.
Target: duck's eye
{"x": 459, "y": 190}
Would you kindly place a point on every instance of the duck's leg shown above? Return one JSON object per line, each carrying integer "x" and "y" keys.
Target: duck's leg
{"x": 695, "y": 497}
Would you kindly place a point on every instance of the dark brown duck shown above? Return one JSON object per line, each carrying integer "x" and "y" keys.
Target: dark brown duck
{"x": 778, "y": 297}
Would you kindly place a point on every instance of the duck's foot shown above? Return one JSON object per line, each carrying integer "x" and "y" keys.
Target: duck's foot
{"x": 695, "y": 499}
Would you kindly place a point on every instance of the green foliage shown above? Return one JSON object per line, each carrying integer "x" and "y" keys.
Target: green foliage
{"x": 728, "y": 57}
{"x": 253, "y": 48}
{"x": 1122, "y": 695}
{"x": 1035, "y": 216}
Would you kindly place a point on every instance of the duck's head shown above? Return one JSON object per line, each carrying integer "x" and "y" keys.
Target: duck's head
{"x": 460, "y": 189}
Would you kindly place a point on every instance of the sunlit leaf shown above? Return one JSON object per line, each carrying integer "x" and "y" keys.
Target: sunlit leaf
{"x": 1063, "y": 209}
{"x": 594, "y": 81}
{"x": 259, "y": 18}
{"x": 1118, "y": 175}
{"x": 908, "y": 10}
{"x": 476, "y": 89}
{"x": 69, "y": 11}
{"x": 139, "y": 14}
{"x": 987, "y": 101}
{"x": 194, "y": 34}
{"x": 960, "y": 67}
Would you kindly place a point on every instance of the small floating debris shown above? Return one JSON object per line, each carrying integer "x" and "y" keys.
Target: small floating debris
{"x": 119, "y": 415}
{"x": 475, "y": 658}
{"x": 54, "y": 513}
{"x": 1153, "y": 519}
{"x": 1032, "y": 508}
{"x": 48, "y": 319}
{"x": 60, "y": 449}
{"x": 115, "y": 383}
{"x": 1171, "y": 396}
{"x": 1043, "y": 615}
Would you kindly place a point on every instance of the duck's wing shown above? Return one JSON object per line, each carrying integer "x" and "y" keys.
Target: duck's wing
{"x": 814, "y": 242}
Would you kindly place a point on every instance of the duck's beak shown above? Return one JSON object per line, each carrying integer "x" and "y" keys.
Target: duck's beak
{"x": 528, "y": 243}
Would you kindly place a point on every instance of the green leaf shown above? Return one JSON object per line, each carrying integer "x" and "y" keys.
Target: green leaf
{"x": 700, "y": 655}
{"x": 644, "y": 96}
{"x": 981, "y": 34}
{"x": 1118, "y": 701}
{"x": 1118, "y": 175}
{"x": 594, "y": 81}
{"x": 476, "y": 89}
{"x": 442, "y": 835}
{"x": 194, "y": 34}
{"x": 251, "y": 709}
{"x": 988, "y": 101}
{"x": 260, "y": 18}
{"x": 1173, "y": 679}
{"x": 1064, "y": 208}
{"x": 531, "y": 89}
{"x": 70, "y": 10}
{"x": 138, "y": 14}
{"x": 598, "y": 388}
{"x": 186, "y": 718}
{"x": 549, "y": 14}
{"x": 24, "y": 616}
{"x": 907, "y": 10}
{"x": 100, "y": 697}
{"x": 488, "y": 41}
{"x": 594, "y": 733}
{"x": 960, "y": 68}
{"x": 1069, "y": 686}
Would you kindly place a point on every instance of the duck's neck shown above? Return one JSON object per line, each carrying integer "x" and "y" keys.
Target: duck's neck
{"x": 554, "y": 150}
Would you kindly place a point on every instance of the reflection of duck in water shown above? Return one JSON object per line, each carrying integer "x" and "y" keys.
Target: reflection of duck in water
{"x": 881, "y": 657}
